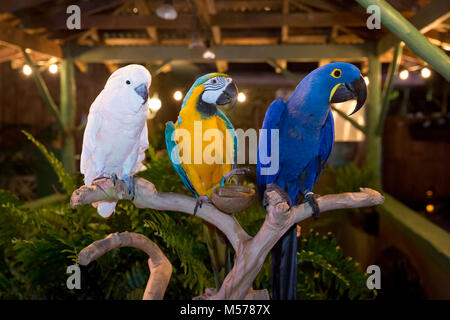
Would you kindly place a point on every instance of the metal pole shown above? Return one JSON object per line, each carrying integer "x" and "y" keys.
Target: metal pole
{"x": 68, "y": 107}
{"x": 373, "y": 110}
{"x": 412, "y": 37}
{"x": 393, "y": 67}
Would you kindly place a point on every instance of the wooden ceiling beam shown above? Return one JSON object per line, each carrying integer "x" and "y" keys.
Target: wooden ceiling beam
{"x": 7, "y": 54}
{"x": 298, "y": 20}
{"x": 57, "y": 20}
{"x": 244, "y": 53}
{"x": 285, "y": 28}
{"x": 144, "y": 10}
{"x": 16, "y": 5}
{"x": 10, "y": 36}
{"x": 229, "y": 20}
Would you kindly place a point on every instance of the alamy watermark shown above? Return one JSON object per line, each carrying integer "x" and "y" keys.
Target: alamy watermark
{"x": 374, "y": 280}
{"x": 374, "y": 20}
{"x": 198, "y": 146}
{"x": 73, "y": 21}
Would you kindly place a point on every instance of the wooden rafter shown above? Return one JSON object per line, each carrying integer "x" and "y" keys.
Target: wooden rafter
{"x": 291, "y": 52}
{"x": 16, "y": 5}
{"x": 229, "y": 20}
{"x": 285, "y": 28}
{"x": 11, "y": 36}
{"x": 144, "y": 10}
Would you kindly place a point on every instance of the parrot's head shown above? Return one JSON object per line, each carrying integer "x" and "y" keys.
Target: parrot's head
{"x": 211, "y": 91}
{"x": 132, "y": 83}
{"x": 345, "y": 83}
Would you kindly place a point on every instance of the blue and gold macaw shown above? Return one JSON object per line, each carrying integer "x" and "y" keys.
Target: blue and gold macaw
{"x": 306, "y": 137}
{"x": 199, "y": 113}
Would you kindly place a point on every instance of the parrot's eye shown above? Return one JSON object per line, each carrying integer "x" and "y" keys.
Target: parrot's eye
{"x": 213, "y": 81}
{"x": 336, "y": 73}
{"x": 128, "y": 82}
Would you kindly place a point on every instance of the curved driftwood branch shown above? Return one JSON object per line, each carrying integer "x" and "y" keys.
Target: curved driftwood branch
{"x": 160, "y": 267}
{"x": 250, "y": 252}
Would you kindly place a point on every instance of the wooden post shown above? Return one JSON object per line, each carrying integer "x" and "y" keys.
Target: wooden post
{"x": 373, "y": 112}
{"x": 68, "y": 107}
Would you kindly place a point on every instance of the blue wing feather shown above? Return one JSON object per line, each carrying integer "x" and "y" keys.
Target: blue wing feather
{"x": 172, "y": 149}
{"x": 271, "y": 121}
{"x": 312, "y": 171}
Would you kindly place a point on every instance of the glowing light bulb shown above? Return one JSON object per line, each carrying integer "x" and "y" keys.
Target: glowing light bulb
{"x": 27, "y": 70}
{"x": 154, "y": 104}
{"x": 404, "y": 74}
{"x": 177, "y": 95}
{"x": 425, "y": 73}
{"x": 208, "y": 54}
{"x": 366, "y": 80}
{"x": 429, "y": 208}
{"x": 53, "y": 68}
{"x": 241, "y": 97}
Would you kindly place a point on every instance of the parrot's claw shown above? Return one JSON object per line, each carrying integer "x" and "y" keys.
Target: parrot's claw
{"x": 310, "y": 198}
{"x": 129, "y": 182}
{"x": 235, "y": 172}
{"x": 283, "y": 194}
{"x": 201, "y": 200}
{"x": 113, "y": 177}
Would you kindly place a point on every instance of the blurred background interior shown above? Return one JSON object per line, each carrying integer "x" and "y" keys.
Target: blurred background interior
{"x": 399, "y": 143}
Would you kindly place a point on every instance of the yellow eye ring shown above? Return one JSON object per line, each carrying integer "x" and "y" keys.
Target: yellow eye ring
{"x": 336, "y": 73}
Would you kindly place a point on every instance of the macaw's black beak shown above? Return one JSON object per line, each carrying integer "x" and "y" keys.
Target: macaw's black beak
{"x": 348, "y": 91}
{"x": 228, "y": 97}
{"x": 142, "y": 91}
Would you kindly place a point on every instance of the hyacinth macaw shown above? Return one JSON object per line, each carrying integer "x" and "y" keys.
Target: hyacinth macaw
{"x": 306, "y": 137}
{"x": 200, "y": 106}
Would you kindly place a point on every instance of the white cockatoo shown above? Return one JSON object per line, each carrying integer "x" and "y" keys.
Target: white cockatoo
{"x": 116, "y": 137}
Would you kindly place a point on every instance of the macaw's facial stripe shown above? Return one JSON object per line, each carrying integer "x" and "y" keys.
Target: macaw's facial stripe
{"x": 333, "y": 91}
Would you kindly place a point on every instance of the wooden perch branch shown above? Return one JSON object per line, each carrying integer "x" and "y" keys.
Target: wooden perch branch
{"x": 160, "y": 267}
{"x": 250, "y": 252}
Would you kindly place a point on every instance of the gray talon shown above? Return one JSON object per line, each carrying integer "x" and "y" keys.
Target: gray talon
{"x": 310, "y": 198}
{"x": 201, "y": 200}
{"x": 129, "y": 182}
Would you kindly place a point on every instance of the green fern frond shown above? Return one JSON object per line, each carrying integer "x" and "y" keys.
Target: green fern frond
{"x": 64, "y": 178}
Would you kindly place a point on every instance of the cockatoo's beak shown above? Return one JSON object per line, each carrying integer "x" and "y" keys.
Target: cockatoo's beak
{"x": 348, "y": 91}
{"x": 142, "y": 91}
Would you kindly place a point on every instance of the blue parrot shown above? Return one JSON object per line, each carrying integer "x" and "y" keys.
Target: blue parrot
{"x": 306, "y": 137}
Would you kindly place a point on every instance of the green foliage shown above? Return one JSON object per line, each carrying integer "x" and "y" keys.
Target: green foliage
{"x": 38, "y": 244}
{"x": 324, "y": 273}
{"x": 66, "y": 180}
{"x": 350, "y": 178}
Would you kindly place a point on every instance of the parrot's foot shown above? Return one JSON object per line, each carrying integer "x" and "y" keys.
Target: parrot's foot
{"x": 235, "y": 172}
{"x": 283, "y": 194}
{"x": 113, "y": 177}
{"x": 129, "y": 182}
{"x": 310, "y": 198}
{"x": 201, "y": 200}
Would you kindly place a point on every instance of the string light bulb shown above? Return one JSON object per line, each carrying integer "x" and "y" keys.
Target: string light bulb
{"x": 53, "y": 68}
{"x": 425, "y": 73}
{"x": 241, "y": 97}
{"x": 177, "y": 95}
{"x": 154, "y": 103}
{"x": 404, "y": 74}
{"x": 27, "y": 70}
